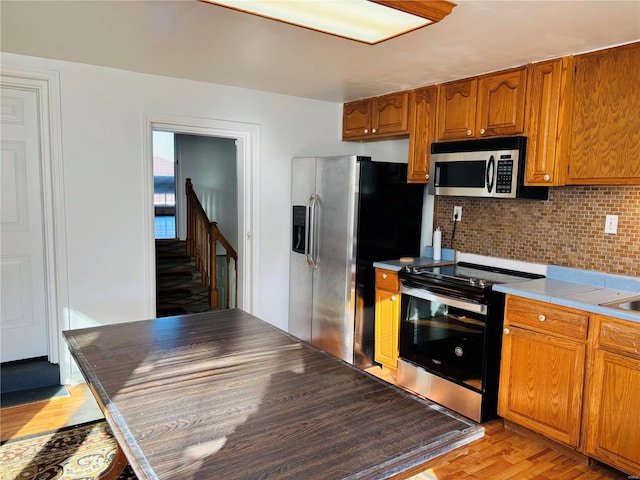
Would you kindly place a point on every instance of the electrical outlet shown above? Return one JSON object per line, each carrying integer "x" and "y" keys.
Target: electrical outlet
{"x": 611, "y": 224}
{"x": 457, "y": 213}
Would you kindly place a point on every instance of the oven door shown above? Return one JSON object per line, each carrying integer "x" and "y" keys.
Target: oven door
{"x": 443, "y": 335}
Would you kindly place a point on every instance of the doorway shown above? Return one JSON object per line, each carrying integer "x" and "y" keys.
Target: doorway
{"x": 245, "y": 137}
{"x": 210, "y": 163}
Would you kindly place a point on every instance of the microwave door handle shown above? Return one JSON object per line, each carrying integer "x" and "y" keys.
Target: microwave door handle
{"x": 490, "y": 173}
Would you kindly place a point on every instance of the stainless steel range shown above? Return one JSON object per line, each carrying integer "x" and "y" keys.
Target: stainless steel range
{"x": 451, "y": 335}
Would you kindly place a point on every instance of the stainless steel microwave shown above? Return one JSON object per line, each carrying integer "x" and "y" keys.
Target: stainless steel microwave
{"x": 492, "y": 167}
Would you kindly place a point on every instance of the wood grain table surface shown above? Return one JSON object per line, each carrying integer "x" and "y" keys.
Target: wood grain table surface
{"x": 225, "y": 395}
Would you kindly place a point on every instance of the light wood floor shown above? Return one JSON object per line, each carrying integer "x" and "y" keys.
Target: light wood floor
{"x": 76, "y": 408}
{"x": 500, "y": 455}
{"x": 503, "y": 454}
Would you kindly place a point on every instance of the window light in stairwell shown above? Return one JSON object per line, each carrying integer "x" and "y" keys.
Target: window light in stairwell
{"x": 367, "y": 21}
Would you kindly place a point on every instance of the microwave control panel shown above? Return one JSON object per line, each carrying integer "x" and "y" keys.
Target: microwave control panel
{"x": 504, "y": 177}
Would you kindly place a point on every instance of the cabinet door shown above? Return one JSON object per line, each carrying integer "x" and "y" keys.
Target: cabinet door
{"x": 356, "y": 119}
{"x": 501, "y": 102}
{"x": 614, "y": 411}
{"x": 545, "y": 132}
{"x": 386, "y": 329}
{"x": 613, "y": 422}
{"x": 605, "y": 129}
{"x": 541, "y": 380}
{"x": 457, "y": 109}
{"x": 390, "y": 114}
{"x": 422, "y": 123}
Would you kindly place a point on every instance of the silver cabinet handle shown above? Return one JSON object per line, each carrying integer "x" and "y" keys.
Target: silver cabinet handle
{"x": 542, "y": 318}
{"x": 469, "y": 133}
{"x": 373, "y": 130}
{"x": 482, "y": 131}
{"x": 366, "y": 130}
{"x": 426, "y": 177}
{"x": 507, "y": 331}
{"x": 384, "y": 276}
{"x": 393, "y": 298}
{"x": 546, "y": 178}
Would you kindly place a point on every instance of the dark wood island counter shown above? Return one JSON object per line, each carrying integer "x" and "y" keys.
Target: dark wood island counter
{"x": 224, "y": 395}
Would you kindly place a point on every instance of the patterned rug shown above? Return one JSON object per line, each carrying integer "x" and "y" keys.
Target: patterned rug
{"x": 74, "y": 453}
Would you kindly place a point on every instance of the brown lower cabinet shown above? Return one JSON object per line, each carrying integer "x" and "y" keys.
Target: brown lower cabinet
{"x": 573, "y": 377}
{"x": 542, "y": 370}
{"x": 613, "y": 415}
{"x": 387, "y": 315}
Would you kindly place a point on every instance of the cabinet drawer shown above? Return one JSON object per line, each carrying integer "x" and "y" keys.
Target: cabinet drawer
{"x": 619, "y": 335}
{"x": 387, "y": 280}
{"x": 547, "y": 318}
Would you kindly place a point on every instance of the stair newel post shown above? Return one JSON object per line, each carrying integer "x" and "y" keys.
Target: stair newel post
{"x": 228, "y": 259}
{"x": 213, "y": 283}
{"x": 190, "y": 216}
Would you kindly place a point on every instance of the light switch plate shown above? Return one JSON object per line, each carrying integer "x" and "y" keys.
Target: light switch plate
{"x": 611, "y": 224}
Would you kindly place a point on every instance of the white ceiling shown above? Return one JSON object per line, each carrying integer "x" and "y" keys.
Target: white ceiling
{"x": 198, "y": 41}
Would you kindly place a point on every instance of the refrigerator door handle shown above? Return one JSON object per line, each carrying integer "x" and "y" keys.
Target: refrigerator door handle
{"x": 312, "y": 231}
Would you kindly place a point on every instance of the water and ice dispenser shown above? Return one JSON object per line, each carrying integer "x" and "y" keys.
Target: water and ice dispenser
{"x": 298, "y": 242}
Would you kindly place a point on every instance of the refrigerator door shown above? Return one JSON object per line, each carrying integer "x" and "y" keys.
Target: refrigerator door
{"x": 301, "y": 274}
{"x": 390, "y": 222}
{"x": 334, "y": 253}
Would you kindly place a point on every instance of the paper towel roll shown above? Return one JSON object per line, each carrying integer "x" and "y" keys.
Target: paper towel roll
{"x": 437, "y": 244}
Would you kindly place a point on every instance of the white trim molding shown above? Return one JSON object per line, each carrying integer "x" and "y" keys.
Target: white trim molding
{"x": 46, "y": 85}
{"x": 247, "y": 136}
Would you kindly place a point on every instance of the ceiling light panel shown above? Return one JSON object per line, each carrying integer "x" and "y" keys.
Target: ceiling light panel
{"x": 360, "y": 20}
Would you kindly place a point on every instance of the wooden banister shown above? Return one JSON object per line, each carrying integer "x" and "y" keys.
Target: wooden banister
{"x": 203, "y": 236}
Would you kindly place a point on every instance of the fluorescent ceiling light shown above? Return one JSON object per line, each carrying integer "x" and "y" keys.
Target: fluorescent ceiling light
{"x": 368, "y": 21}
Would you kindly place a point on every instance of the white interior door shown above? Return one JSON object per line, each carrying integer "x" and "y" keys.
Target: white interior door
{"x": 23, "y": 316}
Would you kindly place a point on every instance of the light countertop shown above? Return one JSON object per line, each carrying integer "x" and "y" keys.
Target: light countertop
{"x": 580, "y": 289}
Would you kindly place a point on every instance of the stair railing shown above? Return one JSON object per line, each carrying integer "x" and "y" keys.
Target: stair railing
{"x": 203, "y": 236}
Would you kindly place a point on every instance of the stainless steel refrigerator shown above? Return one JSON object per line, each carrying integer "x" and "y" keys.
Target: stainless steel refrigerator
{"x": 347, "y": 212}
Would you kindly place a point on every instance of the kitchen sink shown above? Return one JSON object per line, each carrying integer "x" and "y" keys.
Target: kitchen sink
{"x": 630, "y": 304}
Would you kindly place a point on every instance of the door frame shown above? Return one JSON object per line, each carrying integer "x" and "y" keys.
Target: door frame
{"x": 247, "y": 136}
{"x": 46, "y": 85}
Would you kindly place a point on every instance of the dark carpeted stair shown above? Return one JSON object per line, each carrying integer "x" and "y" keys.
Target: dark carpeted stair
{"x": 179, "y": 287}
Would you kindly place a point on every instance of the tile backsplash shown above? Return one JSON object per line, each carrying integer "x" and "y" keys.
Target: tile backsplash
{"x": 566, "y": 230}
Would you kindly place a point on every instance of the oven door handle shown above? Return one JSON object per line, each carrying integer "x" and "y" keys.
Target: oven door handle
{"x": 452, "y": 302}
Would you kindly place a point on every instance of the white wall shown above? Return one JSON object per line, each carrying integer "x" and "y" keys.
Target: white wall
{"x": 210, "y": 163}
{"x": 103, "y": 113}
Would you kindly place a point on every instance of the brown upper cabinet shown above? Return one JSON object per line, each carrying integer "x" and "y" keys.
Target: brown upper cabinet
{"x": 486, "y": 106}
{"x": 546, "y": 100}
{"x": 379, "y": 117}
{"x": 457, "y": 109}
{"x": 579, "y": 114}
{"x": 422, "y": 128}
{"x": 605, "y": 123}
